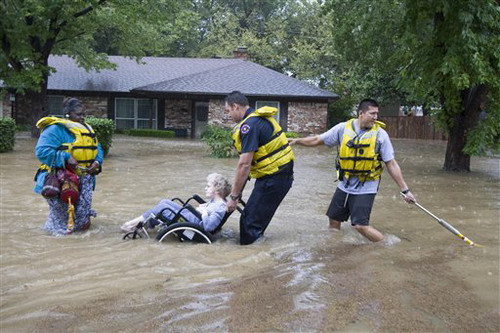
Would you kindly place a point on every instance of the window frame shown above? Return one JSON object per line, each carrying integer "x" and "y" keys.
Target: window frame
{"x": 136, "y": 119}
{"x": 58, "y": 113}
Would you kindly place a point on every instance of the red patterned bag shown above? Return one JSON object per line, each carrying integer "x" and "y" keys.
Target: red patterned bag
{"x": 69, "y": 185}
{"x": 51, "y": 185}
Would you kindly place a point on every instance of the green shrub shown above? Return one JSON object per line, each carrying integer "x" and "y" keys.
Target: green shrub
{"x": 7, "y": 134}
{"x": 23, "y": 127}
{"x": 150, "y": 133}
{"x": 104, "y": 129}
{"x": 219, "y": 141}
{"x": 292, "y": 135}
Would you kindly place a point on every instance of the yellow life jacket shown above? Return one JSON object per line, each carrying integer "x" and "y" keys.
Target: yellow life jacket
{"x": 271, "y": 156}
{"x": 357, "y": 156}
{"x": 84, "y": 148}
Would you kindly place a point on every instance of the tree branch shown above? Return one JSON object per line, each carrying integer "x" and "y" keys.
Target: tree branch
{"x": 6, "y": 48}
{"x": 77, "y": 35}
{"x": 82, "y": 13}
{"x": 34, "y": 40}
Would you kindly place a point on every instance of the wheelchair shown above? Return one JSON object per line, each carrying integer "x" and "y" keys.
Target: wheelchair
{"x": 178, "y": 227}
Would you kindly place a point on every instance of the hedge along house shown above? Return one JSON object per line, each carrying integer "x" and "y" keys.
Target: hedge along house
{"x": 184, "y": 94}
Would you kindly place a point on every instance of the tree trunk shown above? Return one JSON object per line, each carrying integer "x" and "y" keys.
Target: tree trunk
{"x": 32, "y": 106}
{"x": 36, "y": 107}
{"x": 455, "y": 159}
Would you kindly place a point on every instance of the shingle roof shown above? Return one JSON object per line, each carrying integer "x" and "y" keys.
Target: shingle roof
{"x": 180, "y": 75}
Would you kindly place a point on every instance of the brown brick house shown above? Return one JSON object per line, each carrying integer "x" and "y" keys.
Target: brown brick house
{"x": 184, "y": 94}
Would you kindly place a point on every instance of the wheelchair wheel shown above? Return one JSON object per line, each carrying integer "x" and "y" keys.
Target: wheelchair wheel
{"x": 185, "y": 231}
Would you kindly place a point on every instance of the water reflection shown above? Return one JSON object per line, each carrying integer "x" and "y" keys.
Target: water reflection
{"x": 301, "y": 277}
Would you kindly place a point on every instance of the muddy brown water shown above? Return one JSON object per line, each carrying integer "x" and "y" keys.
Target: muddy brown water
{"x": 301, "y": 277}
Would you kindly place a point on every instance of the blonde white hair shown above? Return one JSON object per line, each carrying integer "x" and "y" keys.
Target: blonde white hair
{"x": 220, "y": 183}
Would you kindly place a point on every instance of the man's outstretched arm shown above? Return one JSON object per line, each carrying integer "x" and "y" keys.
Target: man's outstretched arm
{"x": 310, "y": 141}
{"x": 396, "y": 174}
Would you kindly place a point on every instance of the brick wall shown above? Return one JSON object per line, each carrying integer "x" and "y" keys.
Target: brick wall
{"x": 5, "y": 107}
{"x": 307, "y": 118}
{"x": 217, "y": 115}
{"x": 178, "y": 114}
{"x": 304, "y": 118}
{"x": 95, "y": 106}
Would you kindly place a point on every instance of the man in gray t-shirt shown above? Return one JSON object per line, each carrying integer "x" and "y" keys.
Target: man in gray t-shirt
{"x": 355, "y": 193}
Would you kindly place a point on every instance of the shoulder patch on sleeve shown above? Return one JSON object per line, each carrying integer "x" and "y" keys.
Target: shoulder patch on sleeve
{"x": 245, "y": 128}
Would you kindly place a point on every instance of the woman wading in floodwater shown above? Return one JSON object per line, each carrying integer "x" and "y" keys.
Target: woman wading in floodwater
{"x": 69, "y": 145}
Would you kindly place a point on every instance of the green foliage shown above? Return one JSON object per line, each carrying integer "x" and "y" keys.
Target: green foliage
{"x": 268, "y": 28}
{"x": 455, "y": 60}
{"x": 342, "y": 110}
{"x": 454, "y": 47}
{"x": 443, "y": 54}
{"x": 484, "y": 138}
{"x": 104, "y": 129}
{"x": 219, "y": 141}
{"x": 22, "y": 127}
{"x": 292, "y": 135}
{"x": 350, "y": 48}
{"x": 7, "y": 134}
{"x": 150, "y": 133}
{"x": 32, "y": 30}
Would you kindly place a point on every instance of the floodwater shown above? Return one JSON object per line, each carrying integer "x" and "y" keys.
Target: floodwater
{"x": 301, "y": 277}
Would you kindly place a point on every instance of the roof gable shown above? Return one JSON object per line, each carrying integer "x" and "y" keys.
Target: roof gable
{"x": 245, "y": 76}
{"x": 129, "y": 73}
{"x": 180, "y": 75}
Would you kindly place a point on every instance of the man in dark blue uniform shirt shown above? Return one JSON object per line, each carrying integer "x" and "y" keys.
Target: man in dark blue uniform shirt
{"x": 264, "y": 155}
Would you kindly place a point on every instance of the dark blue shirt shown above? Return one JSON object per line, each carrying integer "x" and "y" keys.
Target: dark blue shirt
{"x": 254, "y": 132}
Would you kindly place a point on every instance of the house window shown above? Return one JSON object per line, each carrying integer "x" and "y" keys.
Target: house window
{"x": 55, "y": 105}
{"x": 259, "y": 104}
{"x": 136, "y": 113}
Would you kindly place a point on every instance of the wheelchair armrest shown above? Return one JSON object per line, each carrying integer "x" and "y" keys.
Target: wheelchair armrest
{"x": 190, "y": 208}
{"x": 180, "y": 200}
{"x": 160, "y": 216}
{"x": 198, "y": 199}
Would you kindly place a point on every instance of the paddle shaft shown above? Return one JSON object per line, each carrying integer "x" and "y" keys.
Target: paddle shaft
{"x": 445, "y": 224}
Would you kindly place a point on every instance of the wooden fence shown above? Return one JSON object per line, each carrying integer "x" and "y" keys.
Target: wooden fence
{"x": 412, "y": 128}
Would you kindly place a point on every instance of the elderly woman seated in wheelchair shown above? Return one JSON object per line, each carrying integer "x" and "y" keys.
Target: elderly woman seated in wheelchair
{"x": 179, "y": 218}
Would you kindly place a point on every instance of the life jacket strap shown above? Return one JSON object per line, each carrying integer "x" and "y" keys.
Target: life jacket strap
{"x": 357, "y": 146}
{"x": 356, "y": 171}
{"x": 356, "y": 158}
{"x": 274, "y": 136}
{"x": 85, "y": 147}
{"x": 271, "y": 153}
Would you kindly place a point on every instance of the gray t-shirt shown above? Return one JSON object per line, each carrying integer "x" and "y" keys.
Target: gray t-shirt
{"x": 333, "y": 137}
{"x": 216, "y": 211}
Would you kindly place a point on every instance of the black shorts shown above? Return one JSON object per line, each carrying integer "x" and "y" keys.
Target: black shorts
{"x": 357, "y": 206}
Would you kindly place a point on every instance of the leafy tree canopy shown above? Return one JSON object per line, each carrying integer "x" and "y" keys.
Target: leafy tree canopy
{"x": 31, "y": 30}
{"x": 443, "y": 53}
{"x": 455, "y": 60}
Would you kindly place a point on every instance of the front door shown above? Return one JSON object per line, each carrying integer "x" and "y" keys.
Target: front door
{"x": 200, "y": 118}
